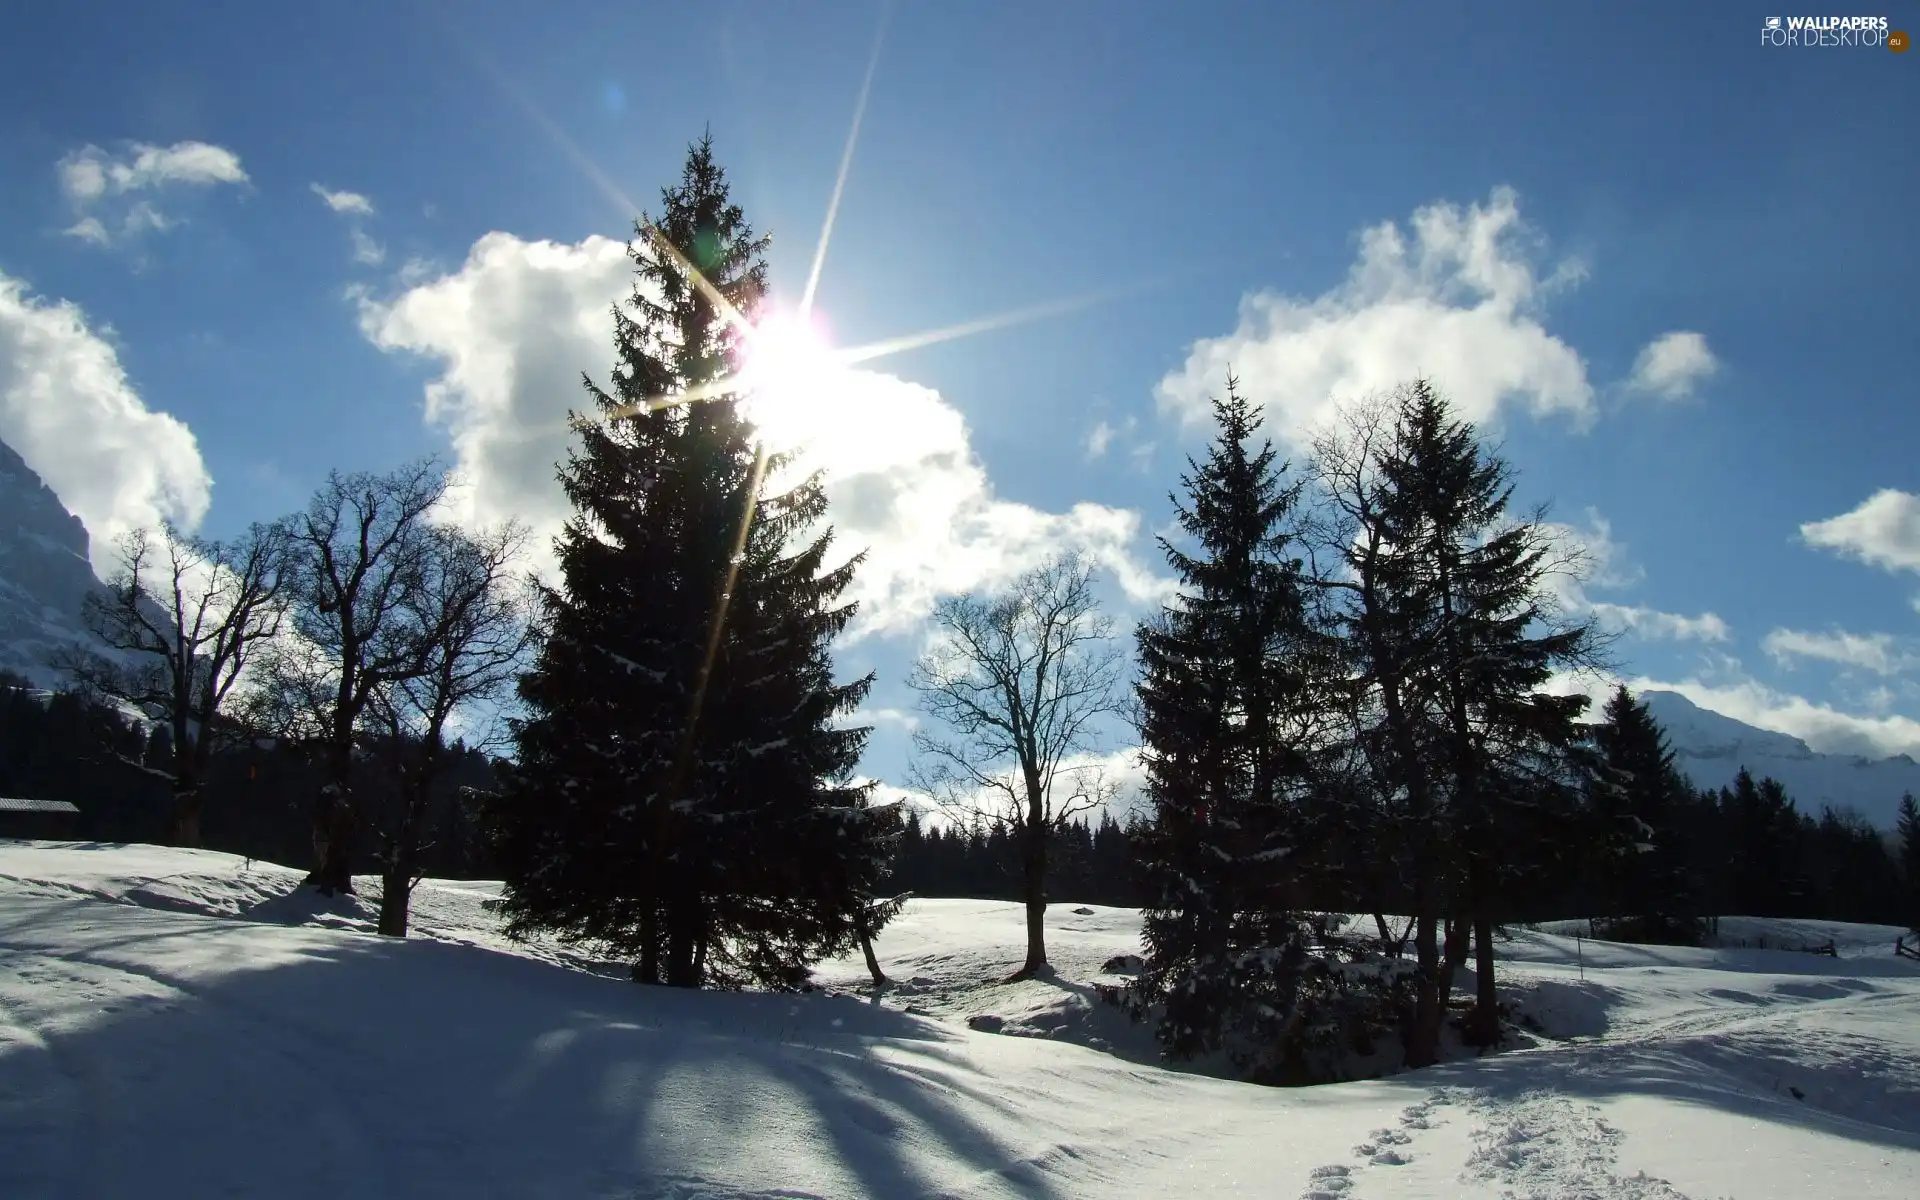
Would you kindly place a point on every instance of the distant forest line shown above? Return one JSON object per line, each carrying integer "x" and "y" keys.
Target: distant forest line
{"x": 1749, "y": 848}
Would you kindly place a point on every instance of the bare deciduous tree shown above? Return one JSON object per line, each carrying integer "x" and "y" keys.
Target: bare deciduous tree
{"x": 362, "y": 552}
{"x": 181, "y": 619}
{"x": 474, "y": 619}
{"x": 1022, "y": 681}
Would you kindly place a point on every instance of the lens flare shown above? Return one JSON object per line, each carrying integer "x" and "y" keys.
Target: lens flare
{"x": 788, "y": 357}
{"x": 788, "y": 377}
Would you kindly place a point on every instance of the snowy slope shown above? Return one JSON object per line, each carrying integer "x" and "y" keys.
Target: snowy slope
{"x": 177, "y": 1024}
{"x": 1712, "y": 748}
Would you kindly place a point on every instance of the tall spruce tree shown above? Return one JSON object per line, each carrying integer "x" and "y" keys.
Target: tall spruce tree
{"x": 682, "y": 789}
{"x": 1227, "y": 716}
{"x": 1640, "y": 799}
{"x": 1461, "y": 609}
{"x": 1909, "y": 830}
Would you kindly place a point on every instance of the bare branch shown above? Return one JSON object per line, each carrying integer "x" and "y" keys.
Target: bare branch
{"x": 180, "y": 621}
{"x": 1020, "y": 680}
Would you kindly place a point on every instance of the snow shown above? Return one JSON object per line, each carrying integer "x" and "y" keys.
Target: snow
{"x": 186, "y": 1024}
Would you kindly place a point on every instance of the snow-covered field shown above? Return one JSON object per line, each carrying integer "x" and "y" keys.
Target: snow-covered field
{"x": 183, "y": 1024}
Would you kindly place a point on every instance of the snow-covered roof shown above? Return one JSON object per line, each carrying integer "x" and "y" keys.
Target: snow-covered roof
{"x": 10, "y": 804}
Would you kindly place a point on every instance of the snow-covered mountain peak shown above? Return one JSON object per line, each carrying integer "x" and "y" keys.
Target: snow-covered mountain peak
{"x": 1711, "y": 748}
{"x": 45, "y": 573}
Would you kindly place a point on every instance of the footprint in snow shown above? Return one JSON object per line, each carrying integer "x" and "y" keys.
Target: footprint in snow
{"x": 1419, "y": 1116}
{"x": 1329, "y": 1183}
{"x": 1540, "y": 1143}
{"x": 1380, "y": 1142}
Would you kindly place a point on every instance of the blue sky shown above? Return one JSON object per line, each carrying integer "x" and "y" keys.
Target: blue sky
{"x": 1671, "y": 268}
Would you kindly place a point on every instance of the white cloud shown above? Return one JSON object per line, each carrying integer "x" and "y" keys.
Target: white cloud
{"x": 1877, "y": 652}
{"x": 897, "y": 717}
{"x": 89, "y": 229}
{"x": 355, "y": 207}
{"x": 1598, "y": 561}
{"x": 1099, "y": 438}
{"x": 1106, "y": 436}
{"x": 67, "y": 406}
{"x": 1822, "y": 727}
{"x": 1458, "y": 300}
{"x": 97, "y": 184}
{"x": 517, "y": 323}
{"x": 366, "y": 251}
{"x": 1662, "y": 626}
{"x": 1672, "y": 364}
{"x": 415, "y": 270}
{"x": 1883, "y": 531}
{"x": 90, "y": 173}
{"x": 512, "y": 330}
{"x": 351, "y": 204}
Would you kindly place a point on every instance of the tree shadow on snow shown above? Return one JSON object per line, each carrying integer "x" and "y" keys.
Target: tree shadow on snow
{"x": 185, "y": 1056}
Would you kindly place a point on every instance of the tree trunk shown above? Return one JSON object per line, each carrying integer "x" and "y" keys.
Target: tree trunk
{"x": 1390, "y": 945}
{"x": 189, "y": 800}
{"x": 647, "y": 970}
{"x": 1035, "y": 892}
{"x": 333, "y": 834}
{"x": 1458, "y": 931}
{"x": 333, "y": 830}
{"x": 683, "y": 936}
{"x": 403, "y": 855}
{"x": 1484, "y": 1028}
{"x": 396, "y": 891}
{"x": 1423, "y": 1041}
{"x": 396, "y": 895}
{"x": 866, "y": 948}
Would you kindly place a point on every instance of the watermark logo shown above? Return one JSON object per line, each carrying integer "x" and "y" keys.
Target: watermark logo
{"x": 1844, "y": 32}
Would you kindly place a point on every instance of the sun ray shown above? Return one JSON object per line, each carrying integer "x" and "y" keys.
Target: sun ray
{"x": 872, "y": 351}
{"x": 846, "y": 165}
{"x": 600, "y": 179}
{"x": 1005, "y": 320}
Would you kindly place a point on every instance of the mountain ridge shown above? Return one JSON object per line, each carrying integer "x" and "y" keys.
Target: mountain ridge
{"x": 46, "y": 574}
{"x": 1711, "y": 748}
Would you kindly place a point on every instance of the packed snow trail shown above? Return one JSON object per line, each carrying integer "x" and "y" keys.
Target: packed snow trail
{"x": 181, "y": 1024}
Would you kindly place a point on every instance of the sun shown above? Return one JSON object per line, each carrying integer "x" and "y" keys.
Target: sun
{"x": 788, "y": 359}
{"x": 790, "y": 375}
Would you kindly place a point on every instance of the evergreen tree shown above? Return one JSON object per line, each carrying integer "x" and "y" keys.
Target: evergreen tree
{"x": 1467, "y": 579}
{"x": 1227, "y": 713}
{"x": 1853, "y": 876}
{"x": 1764, "y": 835}
{"x": 682, "y": 792}
{"x": 1909, "y": 831}
{"x": 1639, "y": 798}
